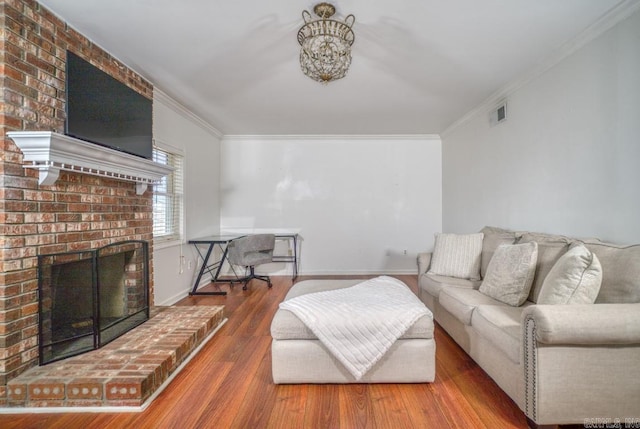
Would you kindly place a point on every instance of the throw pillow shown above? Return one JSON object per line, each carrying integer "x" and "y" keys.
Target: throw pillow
{"x": 493, "y": 237}
{"x": 457, "y": 255}
{"x": 574, "y": 279}
{"x": 550, "y": 248}
{"x": 510, "y": 273}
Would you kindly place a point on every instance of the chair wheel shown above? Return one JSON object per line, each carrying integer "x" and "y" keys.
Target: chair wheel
{"x": 269, "y": 285}
{"x": 244, "y": 287}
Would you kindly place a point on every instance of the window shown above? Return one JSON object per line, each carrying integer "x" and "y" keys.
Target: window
{"x": 168, "y": 195}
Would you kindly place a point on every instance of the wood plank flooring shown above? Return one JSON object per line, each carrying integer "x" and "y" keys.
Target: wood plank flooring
{"x": 228, "y": 385}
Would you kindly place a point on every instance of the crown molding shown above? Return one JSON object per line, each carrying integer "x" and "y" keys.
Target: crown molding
{"x": 177, "y": 107}
{"x": 273, "y": 137}
{"x": 614, "y": 16}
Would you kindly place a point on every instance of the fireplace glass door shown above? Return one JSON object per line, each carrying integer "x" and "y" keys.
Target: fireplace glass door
{"x": 89, "y": 298}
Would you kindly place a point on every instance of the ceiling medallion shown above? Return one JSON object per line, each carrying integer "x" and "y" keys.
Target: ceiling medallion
{"x": 325, "y": 52}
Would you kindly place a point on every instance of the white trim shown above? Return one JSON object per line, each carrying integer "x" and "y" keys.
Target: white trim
{"x": 51, "y": 152}
{"x": 159, "y": 243}
{"x": 614, "y": 16}
{"x": 161, "y": 144}
{"x": 111, "y": 409}
{"x": 269, "y": 137}
{"x": 179, "y": 108}
{"x": 173, "y": 299}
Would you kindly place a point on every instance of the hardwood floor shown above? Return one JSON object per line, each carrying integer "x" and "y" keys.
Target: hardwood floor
{"x": 228, "y": 385}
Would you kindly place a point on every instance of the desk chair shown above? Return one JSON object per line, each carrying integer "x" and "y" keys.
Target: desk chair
{"x": 250, "y": 251}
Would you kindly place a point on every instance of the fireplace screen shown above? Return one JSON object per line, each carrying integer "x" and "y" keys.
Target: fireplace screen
{"x": 89, "y": 298}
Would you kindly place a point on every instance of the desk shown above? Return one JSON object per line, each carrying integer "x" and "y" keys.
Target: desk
{"x": 208, "y": 267}
{"x": 221, "y": 241}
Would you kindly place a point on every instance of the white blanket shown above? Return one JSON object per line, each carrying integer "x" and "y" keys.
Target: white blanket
{"x": 360, "y": 323}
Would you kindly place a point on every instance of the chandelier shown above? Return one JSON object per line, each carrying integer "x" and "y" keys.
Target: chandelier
{"x": 325, "y": 52}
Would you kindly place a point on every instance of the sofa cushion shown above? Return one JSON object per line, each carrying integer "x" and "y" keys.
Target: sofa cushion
{"x": 462, "y": 302}
{"x": 501, "y": 325}
{"x": 550, "y": 248}
{"x": 457, "y": 255}
{"x": 620, "y": 272}
{"x": 494, "y": 237}
{"x": 510, "y": 273}
{"x": 433, "y": 284}
{"x": 574, "y": 279}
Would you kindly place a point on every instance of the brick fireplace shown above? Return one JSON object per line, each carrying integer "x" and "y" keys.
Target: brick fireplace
{"x": 79, "y": 212}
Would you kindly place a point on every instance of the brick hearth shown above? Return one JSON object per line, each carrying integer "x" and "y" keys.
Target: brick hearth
{"x": 126, "y": 371}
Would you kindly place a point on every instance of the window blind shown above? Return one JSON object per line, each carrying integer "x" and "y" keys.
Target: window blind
{"x": 168, "y": 197}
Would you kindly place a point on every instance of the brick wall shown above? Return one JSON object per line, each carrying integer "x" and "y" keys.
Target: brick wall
{"x": 79, "y": 211}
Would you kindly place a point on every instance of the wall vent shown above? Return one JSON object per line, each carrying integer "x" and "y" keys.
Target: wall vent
{"x": 499, "y": 114}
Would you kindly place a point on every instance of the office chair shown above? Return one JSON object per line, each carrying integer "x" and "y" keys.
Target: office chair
{"x": 250, "y": 251}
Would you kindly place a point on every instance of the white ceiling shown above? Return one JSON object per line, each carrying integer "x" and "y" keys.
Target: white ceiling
{"x": 418, "y": 65}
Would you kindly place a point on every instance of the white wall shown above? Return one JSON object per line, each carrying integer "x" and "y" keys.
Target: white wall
{"x": 567, "y": 160}
{"x": 359, "y": 202}
{"x": 174, "y": 275}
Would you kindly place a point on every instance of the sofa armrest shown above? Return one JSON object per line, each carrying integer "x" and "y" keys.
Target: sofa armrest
{"x": 424, "y": 261}
{"x": 585, "y": 324}
{"x": 571, "y": 350}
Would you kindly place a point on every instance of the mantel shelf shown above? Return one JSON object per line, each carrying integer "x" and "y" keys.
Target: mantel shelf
{"x": 51, "y": 152}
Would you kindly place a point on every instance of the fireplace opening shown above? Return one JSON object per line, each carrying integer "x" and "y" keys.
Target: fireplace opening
{"x": 89, "y": 298}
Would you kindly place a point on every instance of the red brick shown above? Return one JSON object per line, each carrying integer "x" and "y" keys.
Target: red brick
{"x": 39, "y": 196}
{"x": 46, "y": 389}
{"x": 53, "y": 207}
{"x": 85, "y": 388}
{"x": 29, "y": 309}
{"x": 68, "y": 217}
{"x": 9, "y": 316}
{"x": 39, "y": 217}
{"x": 128, "y": 388}
{"x": 14, "y": 277}
{"x": 17, "y": 392}
{"x": 12, "y": 218}
{"x": 69, "y": 237}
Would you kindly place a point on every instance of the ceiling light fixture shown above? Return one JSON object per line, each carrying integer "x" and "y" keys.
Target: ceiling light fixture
{"x": 325, "y": 52}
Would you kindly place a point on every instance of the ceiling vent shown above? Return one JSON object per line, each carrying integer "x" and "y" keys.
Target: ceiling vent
{"x": 499, "y": 114}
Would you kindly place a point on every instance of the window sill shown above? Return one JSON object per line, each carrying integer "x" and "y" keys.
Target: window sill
{"x": 164, "y": 244}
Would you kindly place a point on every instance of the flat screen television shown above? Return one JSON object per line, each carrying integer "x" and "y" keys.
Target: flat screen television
{"x": 102, "y": 110}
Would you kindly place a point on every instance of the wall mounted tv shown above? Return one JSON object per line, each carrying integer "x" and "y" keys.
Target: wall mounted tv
{"x": 102, "y": 110}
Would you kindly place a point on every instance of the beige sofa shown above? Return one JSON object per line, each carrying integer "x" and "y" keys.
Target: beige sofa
{"x": 563, "y": 363}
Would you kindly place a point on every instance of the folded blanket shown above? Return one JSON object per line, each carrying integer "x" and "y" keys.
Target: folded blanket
{"x": 359, "y": 324}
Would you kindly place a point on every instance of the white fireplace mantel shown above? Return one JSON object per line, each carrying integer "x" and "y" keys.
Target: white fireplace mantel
{"x": 51, "y": 152}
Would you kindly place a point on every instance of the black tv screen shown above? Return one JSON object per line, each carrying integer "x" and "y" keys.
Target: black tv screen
{"x": 102, "y": 110}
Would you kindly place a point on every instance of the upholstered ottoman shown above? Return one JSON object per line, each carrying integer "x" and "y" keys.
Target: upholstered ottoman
{"x": 299, "y": 357}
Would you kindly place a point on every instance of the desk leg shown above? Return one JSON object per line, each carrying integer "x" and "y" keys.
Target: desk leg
{"x": 295, "y": 257}
{"x": 205, "y": 262}
{"x": 224, "y": 258}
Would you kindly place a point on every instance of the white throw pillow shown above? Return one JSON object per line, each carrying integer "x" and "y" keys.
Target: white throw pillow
{"x": 457, "y": 255}
{"x": 510, "y": 273}
{"x": 574, "y": 279}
